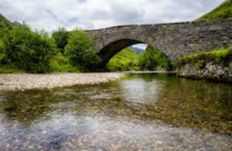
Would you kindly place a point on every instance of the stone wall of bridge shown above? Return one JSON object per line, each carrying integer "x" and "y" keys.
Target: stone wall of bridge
{"x": 173, "y": 39}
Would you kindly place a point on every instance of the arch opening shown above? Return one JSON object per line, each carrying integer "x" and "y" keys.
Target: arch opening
{"x": 129, "y": 54}
{"x": 113, "y": 48}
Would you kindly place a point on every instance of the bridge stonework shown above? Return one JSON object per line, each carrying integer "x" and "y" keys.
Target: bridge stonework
{"x": 173, "y": 39}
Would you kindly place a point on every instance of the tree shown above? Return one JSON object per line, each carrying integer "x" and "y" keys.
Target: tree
{"x": 61, "y": 38}
{"x": 81, "y": 51}
{"x": 27, "y": 50}
{"x": 2, "y": 49}
{"x": 154, "y": 58}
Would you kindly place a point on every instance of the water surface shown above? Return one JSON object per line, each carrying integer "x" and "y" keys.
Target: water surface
{"x": 139, "y": 112}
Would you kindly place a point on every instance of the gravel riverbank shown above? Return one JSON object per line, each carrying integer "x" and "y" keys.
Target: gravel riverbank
{"x": 22, "y": 82}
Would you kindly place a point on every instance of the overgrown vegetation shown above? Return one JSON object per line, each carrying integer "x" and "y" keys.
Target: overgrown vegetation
{"x": 151, "y": 59}
{"x": 27, "y": 50}
{"x": 61, "y": 37}
{"x": 222, "y": 55}
{"x": 154, "y": 59}
{"x": 81, "y": 51}
{"x": 62, "y": 63}
{"x": 125, "y": 60}
{"x": 223, "y": 11}
{"x": 24, "y": 50}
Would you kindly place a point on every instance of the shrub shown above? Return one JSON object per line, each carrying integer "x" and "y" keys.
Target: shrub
{"x": 61, "y": 38}
{"x": 2, "y": 50}
{"x": 81, "y": 51}
{"x": 61, "y": 63}
{"x": 153, "y": 58}
{"x": 28, "y": 50}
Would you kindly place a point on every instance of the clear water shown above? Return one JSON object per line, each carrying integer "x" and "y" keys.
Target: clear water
{"x": 140, "y": 112}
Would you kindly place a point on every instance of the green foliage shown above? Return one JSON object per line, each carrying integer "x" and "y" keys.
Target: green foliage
{"x": 81, "y": 51}
{"x": 10, "y": 69}
{"x": 148, "y": 61}
{"x": 219, "y": 56}
{"x": 27, "y": 50}
{"x": 126, "y": 59}
{"x": 154, "y": 59}
{"x": 2, "y": 50}
{"x": 61, "y": 63}
{"x": 5, "y": 25}
{"x": 61, "y": 38}
{"x": 223, "y": 11}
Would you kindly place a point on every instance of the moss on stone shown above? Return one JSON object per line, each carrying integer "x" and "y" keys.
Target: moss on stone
{"x": 219, "y": 56}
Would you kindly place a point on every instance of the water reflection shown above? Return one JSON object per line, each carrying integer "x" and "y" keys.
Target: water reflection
{"x": 147, "y": 112}
{"x": 140, "y": 91}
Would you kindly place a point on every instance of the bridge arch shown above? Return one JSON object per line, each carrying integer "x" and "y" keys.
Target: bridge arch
{"x": 110, "y": 50}
{"x": 173, "y": 39}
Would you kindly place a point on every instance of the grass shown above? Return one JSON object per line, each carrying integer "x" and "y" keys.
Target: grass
{"x": 9, "y": 69}
{"x": 223, "y": 11}
{"x": 219, "y": 56}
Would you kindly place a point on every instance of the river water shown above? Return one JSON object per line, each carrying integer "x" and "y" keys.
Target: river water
{"x": 139, "y": 112}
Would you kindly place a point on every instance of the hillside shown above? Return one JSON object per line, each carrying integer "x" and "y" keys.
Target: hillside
{"x": 4, "y": 22}
{"x": 5, "y": 25}
{"x": 127, "y": 59}
{"x": 222, "y": 11}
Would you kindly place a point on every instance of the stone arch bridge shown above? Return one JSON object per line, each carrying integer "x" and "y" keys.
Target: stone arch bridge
{"x": 173, "y": 39}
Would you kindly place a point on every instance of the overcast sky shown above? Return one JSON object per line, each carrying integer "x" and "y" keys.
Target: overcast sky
{"x": 92, "y": 14}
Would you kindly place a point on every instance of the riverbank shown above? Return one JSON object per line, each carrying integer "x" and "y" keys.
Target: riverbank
{"x": 214, "y": 66}
{"x": 22, "y": 82}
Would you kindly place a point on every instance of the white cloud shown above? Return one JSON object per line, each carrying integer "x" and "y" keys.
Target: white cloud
{"x": 89, "y": 14}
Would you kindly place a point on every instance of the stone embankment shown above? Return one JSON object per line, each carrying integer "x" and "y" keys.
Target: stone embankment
{"x": 22, "y": 82}
{"x": 211, "y": 71}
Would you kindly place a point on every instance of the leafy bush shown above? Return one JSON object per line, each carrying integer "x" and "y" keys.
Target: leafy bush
{"x": 81, "y": 51}
{"x": 5, "y": 26}
{"x": 61, "y": 38}
{"x": 153, "y": 58}
{"x": 27, "y": 50}
{"x": 61, "y": 63}
{"x": 2, "y": 50}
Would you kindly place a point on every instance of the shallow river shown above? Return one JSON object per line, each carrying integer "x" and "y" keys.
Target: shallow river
{"x": 139, "y": 112}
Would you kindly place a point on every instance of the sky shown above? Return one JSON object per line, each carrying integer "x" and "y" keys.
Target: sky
{"x": 49, "y": 15}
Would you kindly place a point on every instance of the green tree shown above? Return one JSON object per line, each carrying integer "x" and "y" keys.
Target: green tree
{"x": 61, "y": 38}
{"x": 153, "y": 58}
{"x": 27, "y": 50}
{"x": 81, "y": 51}
{"x": 127, "y": 59}
{"x": 2, "y": 50}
